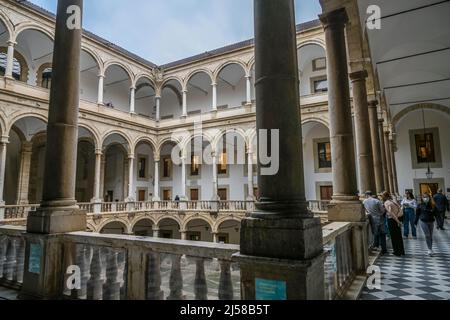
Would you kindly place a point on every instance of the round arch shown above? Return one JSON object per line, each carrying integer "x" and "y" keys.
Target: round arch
{"x": 93, "y": 55}
{"x": 193, "y": 73}
{"x": 144, "y": 76}
{"x": 24, "y": 69}
{"x": 172, "y": 78}
{"x": 19, "y": 117}
{"x": 136, "y": 221}
{"x": 317, "y": 42}
{"x": 120, "y": 134}
{"x": 221, "y": 221}
{"x": 222, "y": 133}
{"x": 188, "y": 220}
{"x": 120, "y": 221}
{"x": 31, "y": 26}
{"x": 93, "y": 132}
{"x": 427, "y": 106}
{"x": 220, "y": 68}
{"x": 146, "y": 140}
{"x": 7, "y": 24}
{"x": 321, "y": 121}
{"x": 119, "y": 64}
{"x": 165, "y": 141}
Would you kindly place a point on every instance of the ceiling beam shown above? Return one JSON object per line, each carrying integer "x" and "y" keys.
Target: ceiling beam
{"x": 416, "y": 84}
{"x": 417, "y": 102}
{"x": 413, "y": 55}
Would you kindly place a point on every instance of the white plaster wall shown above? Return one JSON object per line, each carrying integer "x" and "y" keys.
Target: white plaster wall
{"x": 13, "y": 156}
{"x": 413, "y": 121}
{"x": 89, "y": 87}
{"x": 144, "y": 150}
{"x": 114, "y": 173}
{"x": 310, "y": 133}
{"x": 170, "y": 104}
{"x": 233, "y": 97}
{"x": 305, "y": 79}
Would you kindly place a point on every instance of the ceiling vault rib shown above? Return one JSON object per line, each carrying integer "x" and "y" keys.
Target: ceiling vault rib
{"x": 417, "y": 102}
{"x": 413, "y": 55}
{"x": 416, "y": 84}
{"x": 415, "y": 9}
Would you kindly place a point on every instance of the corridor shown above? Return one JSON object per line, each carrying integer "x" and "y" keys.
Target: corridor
{"x": 416, "y": 276}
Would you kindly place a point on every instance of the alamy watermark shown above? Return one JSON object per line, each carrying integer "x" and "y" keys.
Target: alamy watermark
{"x": 374, "y": 17}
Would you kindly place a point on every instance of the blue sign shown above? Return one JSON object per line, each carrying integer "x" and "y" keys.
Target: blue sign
{"x": 270, "y": 290}
{"x": 34, "y": 264}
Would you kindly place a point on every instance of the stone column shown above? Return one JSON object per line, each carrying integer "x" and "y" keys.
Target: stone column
{"x": 282, "y": 216}
{"x": 251, "y": 194}
{"x": 383, "y": 155}
{"x": 156, "y": 196}
{"x": 215, "y": 237}
{"x": 215, "y": 177}
{"x": 362, "y": 132}
{"x": 101, "y": 80}
{"x": 183, "y": 195}
{"x": 130, "y": 197}
{"x": 155, "y": 232}
{"x": 132, "y": 100}
{"x": 3, "y": 144}
{"x": 249, "y": 89}
{"x": 98, "y": 168}
{"x": 59, "y": 212}
{"x": 24, "y": 173}
{"x": 158, "y": 108}
{"x": 10, "y": 59}
{"x": 394, "y": 168}
{"x": 214, "y": 96}
{"x": 183, "y": 234}
{"x": 387, "y": 146}
{"x": 376, "y": 146}
{"x": 345, "y": 206}
{"x": 102, "y": 178}
{"x": 184, "y": 114}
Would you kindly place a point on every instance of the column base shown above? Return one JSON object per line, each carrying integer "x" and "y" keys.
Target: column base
{"x": 285, "y": 238}
{"x": 276, "y": 279}
{"x": 156, "y": 199}
{"x": 2, "y": 210}
{"x": 47, "y": 220}
{"x": 43, "y": 274}
{"x": 360, "y": 247}
{"x": 346, "y": 211}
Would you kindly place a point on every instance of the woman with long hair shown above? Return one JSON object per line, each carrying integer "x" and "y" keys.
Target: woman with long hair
{"x": 393, "y": 212}
{"x": 409, "y": 205}
{"x": 426, "y": 214}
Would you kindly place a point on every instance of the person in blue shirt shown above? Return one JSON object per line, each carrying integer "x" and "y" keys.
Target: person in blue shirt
{"x": 442, "y": 205}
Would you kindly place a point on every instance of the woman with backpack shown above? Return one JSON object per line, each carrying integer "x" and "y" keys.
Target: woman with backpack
{"x": 393, "y": 211}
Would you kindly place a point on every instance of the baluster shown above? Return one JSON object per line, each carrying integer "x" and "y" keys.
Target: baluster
{"x": 82, "y": 260}
{"x": 200, "y": 286}
{"x": 225, "y": 283}
{"x": 154, "y": 291}
{"x": 111, "y": 288}
{"x": 176, "y": 279}
{"x": 11, "y": 261}
{"x": 95, "y": 283}
{"x": 20, "y": 260}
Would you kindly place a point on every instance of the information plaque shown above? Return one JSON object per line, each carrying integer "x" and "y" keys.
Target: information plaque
{"x": 270, "y": 290}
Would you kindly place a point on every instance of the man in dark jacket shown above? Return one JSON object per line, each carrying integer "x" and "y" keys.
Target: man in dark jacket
{"x": 442, "y": 206}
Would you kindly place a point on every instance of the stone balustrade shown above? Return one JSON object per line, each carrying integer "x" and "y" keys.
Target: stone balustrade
{"x": 119, "y": 267}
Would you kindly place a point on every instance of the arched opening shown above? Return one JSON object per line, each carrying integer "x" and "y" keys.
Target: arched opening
{"x": 117, "y": 88}
{"x": 317, "y": 161}
{"x": 199, "y": 96}
{"x": 20, "y": 68}
{"x": 89, "y": 72}
{"x": 199, "y": 169}
{"x": 312, "y": 66}
{"x": 116, "y": 168}
{"x": 84, "y": 191}
{"x": 144, "y": 172}
{"x": 115, "y": 227}
{"x": 231, "y": 87}
{"x": 229, "y": 232}
{"x": 25, "y": 161}
{"x": 199, "y": 230}
{"x": 37, "y": 49}
{"x": 169, "y": 229}
{"x": 231, "y": 166}
{"x": 171, "y": 100}
{"x": 169, "y": 173}
{"x": 145, "y": 99}
{"x": 143, "y": 228}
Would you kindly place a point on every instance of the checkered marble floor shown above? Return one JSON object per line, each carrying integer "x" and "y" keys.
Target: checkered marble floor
{"x": 416, "y": 276}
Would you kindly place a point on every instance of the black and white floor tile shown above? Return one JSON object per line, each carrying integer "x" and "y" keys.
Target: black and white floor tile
{"x": 416, "y": 276}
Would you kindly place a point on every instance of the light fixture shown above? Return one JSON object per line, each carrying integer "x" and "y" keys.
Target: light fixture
{"x": 429, "y": 173}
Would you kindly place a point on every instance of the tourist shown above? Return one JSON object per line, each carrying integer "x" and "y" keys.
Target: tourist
{"x": 442, "y": 206}
{"x": 426, "y": 214}
{"x": 393, "y": 212}
{"x": 409, "y": 205}
{"x": 376, "y": 212}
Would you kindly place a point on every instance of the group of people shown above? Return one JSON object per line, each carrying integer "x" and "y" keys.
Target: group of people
{"x": 387, "y": 217}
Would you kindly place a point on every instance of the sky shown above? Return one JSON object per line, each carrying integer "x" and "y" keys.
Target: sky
{"x": 164, "y": 31}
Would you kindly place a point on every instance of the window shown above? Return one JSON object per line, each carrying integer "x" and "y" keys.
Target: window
{"x": 167, "y": 167}
{"x": 320, "y": 85}
{"x": 319, "y": 64}
{"x": 195, "y": 165}
{"x": 46, "y": 78}
{"x": 194, "y": 236}
{"x": 222, "y": 167}
{"x": 223, "y": 238}
{"x": 324, "y": 155}
{"x": 142, "y": 168}
{"x": 425, "y": 148}
{"x": 16, "y": 66}
{"x": 223, "y": 194}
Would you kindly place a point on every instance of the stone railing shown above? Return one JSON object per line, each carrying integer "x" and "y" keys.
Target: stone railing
{"x": 119, "y": 267}
{"x": 318, "y": 206}
{"x": 339, "y": 267}
{"x": 18, "y": 212}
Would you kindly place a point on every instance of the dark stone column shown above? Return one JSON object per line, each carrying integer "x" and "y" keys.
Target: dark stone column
{"x": 362, "y": 132}
{"x": 376, "y": 146}
{"x": 281, "y": 241}
{"x": 387, "y": 146}
{"x": 394, "y": 168}
{"x": 383, "y": 154}
{"x": 59, "y": 212}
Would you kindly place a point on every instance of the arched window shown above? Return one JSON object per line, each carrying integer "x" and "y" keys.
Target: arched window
{"x": 46, "y": 78}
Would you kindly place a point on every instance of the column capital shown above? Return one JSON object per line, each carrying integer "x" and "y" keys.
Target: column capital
{"x": 11, "y": 43}
{"x": 360, "y": 75}
{"x": 214, "y": 84}
{"x": 4, "y": 139}
{"x": 133, "y": 87}
{"x": 184, "y": 91}
{"x": 248, "y": 76}
{"x": 334, "y": 19}
{"x": 98, "y": 152}
{"x": 131, "y": 156}
{"x": 158, "y": 95}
